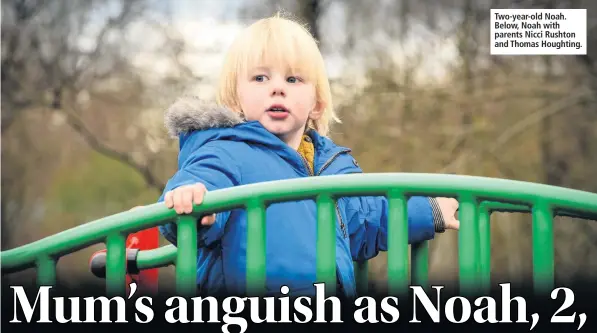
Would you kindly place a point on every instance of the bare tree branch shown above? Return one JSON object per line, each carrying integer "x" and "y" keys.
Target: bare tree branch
{"x": 102, "y": 148}
{"x": 43, "y": 64}
{"x": 518, "y": 128}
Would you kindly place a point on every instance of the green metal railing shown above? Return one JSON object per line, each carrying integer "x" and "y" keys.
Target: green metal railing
{"x": 478, "y": 197}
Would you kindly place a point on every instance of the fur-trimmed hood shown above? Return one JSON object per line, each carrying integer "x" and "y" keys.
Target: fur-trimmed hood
{"x": 196, "y": 122}
{"x": 190, "y": 113}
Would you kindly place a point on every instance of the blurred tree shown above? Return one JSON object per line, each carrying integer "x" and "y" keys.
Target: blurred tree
{"x": 75, "y": 80}
{"x": 78, "y": 64}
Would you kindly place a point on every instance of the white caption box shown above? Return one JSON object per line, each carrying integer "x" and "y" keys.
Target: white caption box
{"x": 538, "y": 31}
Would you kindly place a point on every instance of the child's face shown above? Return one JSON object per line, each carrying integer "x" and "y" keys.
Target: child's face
{"x": 282, "y": 102}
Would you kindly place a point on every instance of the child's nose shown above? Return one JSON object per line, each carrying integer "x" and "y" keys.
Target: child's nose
{"x": 278, "y": 88}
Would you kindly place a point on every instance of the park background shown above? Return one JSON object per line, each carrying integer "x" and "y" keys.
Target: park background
{"x": 85, "y": 85}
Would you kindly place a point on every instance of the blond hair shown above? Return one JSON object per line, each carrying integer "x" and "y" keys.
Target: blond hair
{"x": 278, "y": 40}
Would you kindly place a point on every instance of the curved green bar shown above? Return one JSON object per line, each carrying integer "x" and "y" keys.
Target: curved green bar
{"x": 479, "y": 197}
{"x": 160, "y": 257}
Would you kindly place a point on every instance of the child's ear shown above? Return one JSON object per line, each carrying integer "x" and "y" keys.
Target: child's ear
{"x": 317, "y": 110}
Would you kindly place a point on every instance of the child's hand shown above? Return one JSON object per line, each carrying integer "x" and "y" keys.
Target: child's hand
{"x": 183, "y": 198}
{"x": 449, "y": 208}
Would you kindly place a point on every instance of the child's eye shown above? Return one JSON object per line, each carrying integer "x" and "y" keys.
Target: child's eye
{"x": 294, "y": 79}
{"x": 259, "y": 78}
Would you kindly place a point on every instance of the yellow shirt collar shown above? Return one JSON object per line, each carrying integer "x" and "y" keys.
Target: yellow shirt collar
{"x": 307, "y": 150}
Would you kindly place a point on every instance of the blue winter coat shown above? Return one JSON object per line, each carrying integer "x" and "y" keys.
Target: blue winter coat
{"x": 220, "y": 150}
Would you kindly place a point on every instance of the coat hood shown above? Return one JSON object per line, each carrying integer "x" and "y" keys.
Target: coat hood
{"x": 190, "y": 113}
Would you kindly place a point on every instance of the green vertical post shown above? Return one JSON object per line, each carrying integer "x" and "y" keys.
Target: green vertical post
{"x": 326, "y": 242}
{"x": 485, "y": 249}
{"x": 398, "y": 272}
{"x": 256, "y": 255}
{"x": 186, "y": 256}
{"x": 46, "y": 271}
{"x": 116, "y": 265}
{"x": 543, "y": 248}
{"x": 420, "y": 264}
{"x": 468, "y": 245}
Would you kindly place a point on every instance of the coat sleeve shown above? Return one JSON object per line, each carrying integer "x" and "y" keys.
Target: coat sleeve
{"x": 215, "y": 168}
{"x": 368, "y": 224}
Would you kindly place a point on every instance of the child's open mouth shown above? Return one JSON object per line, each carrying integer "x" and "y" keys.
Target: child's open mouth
{"x": 277, "y": 112}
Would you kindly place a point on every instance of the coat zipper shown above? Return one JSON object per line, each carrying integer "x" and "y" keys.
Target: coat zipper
{"x": 325, "y": 165}
{"x": 328, "y": 162}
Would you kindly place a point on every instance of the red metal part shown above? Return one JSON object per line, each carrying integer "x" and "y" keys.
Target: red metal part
{"x": 147, "y": 280}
